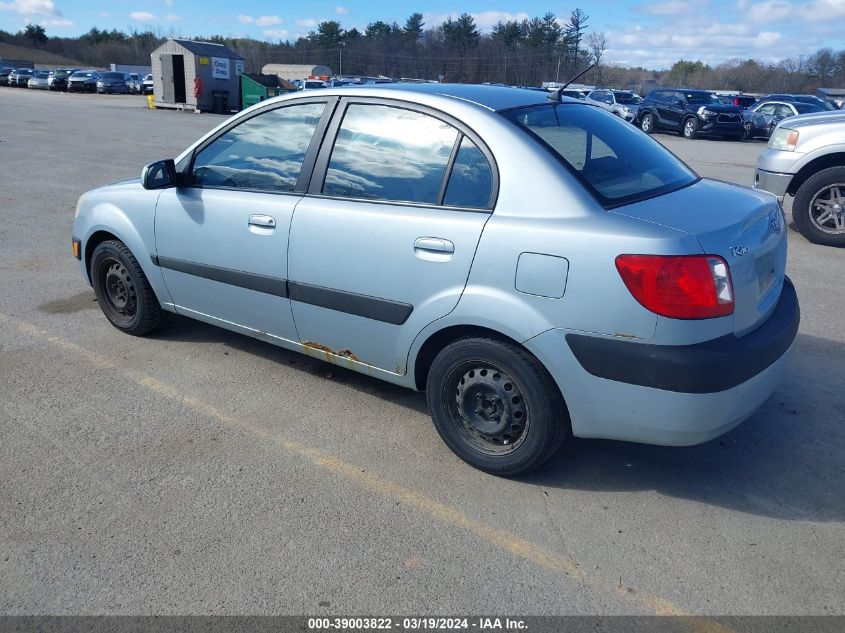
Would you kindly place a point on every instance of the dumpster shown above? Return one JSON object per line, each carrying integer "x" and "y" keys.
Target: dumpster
{"x": 256, "y": 87}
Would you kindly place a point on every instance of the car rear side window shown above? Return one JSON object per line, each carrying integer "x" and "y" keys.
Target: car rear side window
{"x": 471, "y": 180}
{"x": 388, "y": 153}
{"x": 265, "y": 152}
{"x": 616, "y": 162}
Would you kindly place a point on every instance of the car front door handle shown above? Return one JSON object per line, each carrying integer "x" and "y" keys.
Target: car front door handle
{"x": 434, "y": 245}
{"x": 263, "y": 221}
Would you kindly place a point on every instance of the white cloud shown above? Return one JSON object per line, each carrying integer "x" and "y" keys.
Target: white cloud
{"x": 824, "y": 10}
{"x": 56, "y": 23}
{"x": 276, "y": 34}
{"x": 169, "y": 3}
{"x": 341, "y": 10}
{"x": 103, "y": 14}
{"x": 142, "y": 16}
{"x": 171, "y": 17}
{"x": 268, "y": 20}
{"x": 769, "y": 11}
{"x": 245, "y": 19}
{"x": 307, "y": 23}
{"x": 31, "y": 7}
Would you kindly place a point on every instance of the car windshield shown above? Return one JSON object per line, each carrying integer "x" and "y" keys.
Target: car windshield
{"x": 617, "y": 163}
{"x": 626, "y": 98}
{"x": 701, "y": 98}
{"x": 41, "y": 75}
{"x": 82, "y": 75}
{"x": 112, "y": 76}
{"x": 61, "y": 73}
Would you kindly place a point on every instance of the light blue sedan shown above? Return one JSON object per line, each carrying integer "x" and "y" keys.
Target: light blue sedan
{"x": 536, "y": 265}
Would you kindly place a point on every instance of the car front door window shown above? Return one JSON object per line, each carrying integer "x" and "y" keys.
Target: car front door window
{"x": 264, "y": 153}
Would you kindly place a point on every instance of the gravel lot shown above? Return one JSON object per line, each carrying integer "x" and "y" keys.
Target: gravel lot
{"x": 199, "y": 471}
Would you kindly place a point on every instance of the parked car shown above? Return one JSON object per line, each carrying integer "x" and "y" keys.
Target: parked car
{"x": 112, "y": 83}
{"x": 805, "y": 158}
{"x": 4, "y": 75}
{"x": 622, "y": 103}
{"x": 20, "y": 77}
{"x": 59, "y": 78}
{"x": 83, "y": 81}
{"x": 742, "y": 102}
{"x": 38, "y": 81}
{"x": 822, "y": 103}
{"x": 690, "y": 112}
{"x": 134, "y": 83}
{"x": 638, "y": 302}
{"x": 764, "y": 117}
{"x": 148, "y": 85}
{"x": 314, "y": 84}
{"x": 573, "y": 94}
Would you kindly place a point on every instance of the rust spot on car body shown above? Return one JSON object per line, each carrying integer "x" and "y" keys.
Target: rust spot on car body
{"x": 327, "y": 353}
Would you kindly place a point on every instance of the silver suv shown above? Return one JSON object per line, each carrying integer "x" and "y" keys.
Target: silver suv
{"x": 805, "y": 158}
{"x": 537, "y": 267}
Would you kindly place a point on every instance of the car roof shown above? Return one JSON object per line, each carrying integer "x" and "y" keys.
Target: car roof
{"x": 490, "y": 97}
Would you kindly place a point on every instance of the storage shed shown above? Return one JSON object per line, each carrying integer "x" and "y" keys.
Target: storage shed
{"x": 194, "y": 75}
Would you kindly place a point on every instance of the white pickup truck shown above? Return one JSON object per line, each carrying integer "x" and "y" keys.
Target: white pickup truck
{"x": 805, "y": 158}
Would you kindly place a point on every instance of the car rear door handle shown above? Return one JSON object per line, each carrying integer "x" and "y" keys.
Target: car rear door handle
{"x": 264, "y": 221}
{"x": 434, "y": 245}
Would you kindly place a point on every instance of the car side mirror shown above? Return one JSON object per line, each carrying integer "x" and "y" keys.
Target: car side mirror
{"x": 160, "y": 175}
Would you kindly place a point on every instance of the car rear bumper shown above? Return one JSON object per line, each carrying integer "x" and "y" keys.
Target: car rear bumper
{"x": 772, "y": 182}
{"x": 671, "y": 395}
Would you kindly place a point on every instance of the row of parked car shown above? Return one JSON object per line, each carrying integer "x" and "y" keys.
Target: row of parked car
{"x": 77, "y": 80}
{"x": 700, "y": 112}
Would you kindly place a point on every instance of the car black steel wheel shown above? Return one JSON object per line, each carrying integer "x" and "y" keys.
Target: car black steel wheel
{"x": 123, "y": 291}
{"x": 490, "y": 407}
{"x": 819, "y": 207}
{"x": 495, "y": 405}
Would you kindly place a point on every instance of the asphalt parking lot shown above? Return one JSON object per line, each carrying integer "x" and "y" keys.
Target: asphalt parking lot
{"x": 199, "y": 471}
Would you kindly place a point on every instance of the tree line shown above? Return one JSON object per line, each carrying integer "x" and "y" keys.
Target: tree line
{"x": 517, "y": 52}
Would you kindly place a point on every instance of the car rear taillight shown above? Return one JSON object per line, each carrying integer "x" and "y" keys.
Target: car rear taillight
{"x": 679, "y": 286}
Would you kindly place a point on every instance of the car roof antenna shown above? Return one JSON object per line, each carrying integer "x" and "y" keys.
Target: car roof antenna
{"x": 556, "y": 95}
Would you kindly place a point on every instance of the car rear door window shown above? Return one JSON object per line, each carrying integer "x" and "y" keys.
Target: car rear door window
{"x": 263, "y": 153}
{"x": 471, "y": 180}
{"x": 388, "y": 153}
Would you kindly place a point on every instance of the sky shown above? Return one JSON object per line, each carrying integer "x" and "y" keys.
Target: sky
{"x": 650, "y": 34}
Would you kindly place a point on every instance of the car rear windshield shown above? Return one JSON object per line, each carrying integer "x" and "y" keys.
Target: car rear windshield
{"x": 805, "y": 108}
{"x": 616, "y": 162}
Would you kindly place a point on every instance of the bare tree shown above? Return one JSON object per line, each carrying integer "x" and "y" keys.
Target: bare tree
{"x": 597, "y": 43}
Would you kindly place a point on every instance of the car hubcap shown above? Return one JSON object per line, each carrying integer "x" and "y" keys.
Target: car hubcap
{"x": 827, "y": 209}
{"x": 647, "y": 123}
{"x": 492, "y": 410}
{"x": 689, "y": 128}
{"x": 120, "y": 291}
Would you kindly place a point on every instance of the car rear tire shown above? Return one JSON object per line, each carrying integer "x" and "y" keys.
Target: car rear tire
{"x": 122, "y": 290}
{"x": 647, "y": 123}
{"x": 690, "y": 129}
{"x": 819, "y": 207}
{"x": 495, "y": 406}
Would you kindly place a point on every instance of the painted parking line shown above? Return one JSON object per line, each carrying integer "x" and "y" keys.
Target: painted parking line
{"x": 507, "y": 541}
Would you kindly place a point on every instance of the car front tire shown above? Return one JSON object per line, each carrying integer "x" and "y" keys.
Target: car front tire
{"x": 122, "y": 290}
{"x": 690, "y": 129}
{"x": 495, "y": 406}
{"x": 819, "y": 207}
{"x": 647, "y": 123}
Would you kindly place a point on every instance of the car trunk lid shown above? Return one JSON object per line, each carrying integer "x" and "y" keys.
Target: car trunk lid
{"x": 743, "y": 226}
